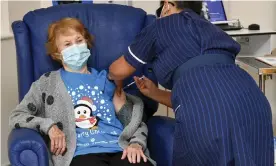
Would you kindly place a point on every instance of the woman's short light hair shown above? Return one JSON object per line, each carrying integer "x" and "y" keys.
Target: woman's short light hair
{"x": 62, "y": 27}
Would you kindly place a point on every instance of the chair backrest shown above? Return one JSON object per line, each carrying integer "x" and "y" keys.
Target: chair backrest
{"x": 113, "y": 26}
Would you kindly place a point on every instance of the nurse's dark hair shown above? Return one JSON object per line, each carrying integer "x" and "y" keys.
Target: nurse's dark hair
{"x": 159, "y": 10}
{"x": 196, "y": 6}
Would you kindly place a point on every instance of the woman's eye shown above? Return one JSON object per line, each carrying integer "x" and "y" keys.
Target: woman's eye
{"x": 79, "y": 41}
{"x": 67, "y": 44}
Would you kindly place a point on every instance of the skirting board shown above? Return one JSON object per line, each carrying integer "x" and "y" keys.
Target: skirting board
{"x": 6, "y": 164}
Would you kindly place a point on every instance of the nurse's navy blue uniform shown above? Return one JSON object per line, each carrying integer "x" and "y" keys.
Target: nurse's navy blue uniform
{"x": 222, "y": 117}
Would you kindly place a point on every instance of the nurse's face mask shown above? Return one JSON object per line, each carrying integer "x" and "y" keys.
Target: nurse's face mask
{"x": 73, "y": 49}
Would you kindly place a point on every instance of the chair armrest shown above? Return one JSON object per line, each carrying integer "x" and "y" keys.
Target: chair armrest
{"x": 27, "y": 147}
{"x": 160, "y": 140}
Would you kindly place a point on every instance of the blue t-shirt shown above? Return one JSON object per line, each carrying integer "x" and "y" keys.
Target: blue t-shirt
{"x": 97, "y": 127}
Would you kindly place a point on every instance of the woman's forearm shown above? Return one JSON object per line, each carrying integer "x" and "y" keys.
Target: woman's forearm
{"x": 163, "y": 97}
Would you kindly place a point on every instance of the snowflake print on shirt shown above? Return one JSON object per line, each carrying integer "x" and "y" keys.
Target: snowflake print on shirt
{"x": 97, "y": 127}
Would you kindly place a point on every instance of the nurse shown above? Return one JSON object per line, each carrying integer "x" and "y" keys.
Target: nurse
{"x": 222, "y": 117}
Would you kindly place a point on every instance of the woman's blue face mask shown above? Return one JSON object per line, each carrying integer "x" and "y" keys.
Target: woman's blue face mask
{"x": 75, "y": 56}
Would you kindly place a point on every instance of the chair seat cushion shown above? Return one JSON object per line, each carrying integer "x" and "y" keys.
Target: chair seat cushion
{"x": 160, "y": 141}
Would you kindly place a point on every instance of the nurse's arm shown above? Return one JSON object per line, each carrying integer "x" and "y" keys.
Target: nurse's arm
{"x": 120, "y": 69}
{"x": 149, "y": 89}
{"x": 163, "y": 97}
{"x": 139, "y": 53}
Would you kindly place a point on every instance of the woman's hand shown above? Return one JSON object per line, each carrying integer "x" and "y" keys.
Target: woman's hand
{"x": 58, "y": 143}
{"x": 119, "y": 100}
{"x": 134, "y": 153}
{"x": 146, "y": 86}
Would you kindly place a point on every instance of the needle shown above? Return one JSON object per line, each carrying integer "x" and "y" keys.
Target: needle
{"x": 133, "y": 83}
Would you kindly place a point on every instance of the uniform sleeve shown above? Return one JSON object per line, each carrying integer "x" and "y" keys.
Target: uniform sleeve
{"x": 24, "y": 115}
{"x": 142, "y": 50}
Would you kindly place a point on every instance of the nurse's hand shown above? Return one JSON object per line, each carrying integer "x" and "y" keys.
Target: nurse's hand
{"x": 149, "y": 89}
{"x": 134, "y": 153}
{"x": 146, "y": 86}
{"x": 119, "y": 100}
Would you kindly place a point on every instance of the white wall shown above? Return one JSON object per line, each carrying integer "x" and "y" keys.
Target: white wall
{"x": 9, "y": 91}
{"x": 149, "y": 6}
{"x": 10, "y": 11}
{"x": 45, "y": 3}
{"x": 260, "y": 12}
{"x": 4, "y": 18}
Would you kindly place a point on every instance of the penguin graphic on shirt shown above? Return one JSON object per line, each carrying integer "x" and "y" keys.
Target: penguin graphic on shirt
{"x": 84, "y": 114}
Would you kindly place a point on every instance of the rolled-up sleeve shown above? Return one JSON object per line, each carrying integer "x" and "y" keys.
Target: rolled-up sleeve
{"x": 142, "y": 50}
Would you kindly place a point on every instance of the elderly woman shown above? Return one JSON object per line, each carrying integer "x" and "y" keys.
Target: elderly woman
{"x": 74, "y": 107}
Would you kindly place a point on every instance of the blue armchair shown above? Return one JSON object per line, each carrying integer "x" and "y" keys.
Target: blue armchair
{"x": 114, "y": 27}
